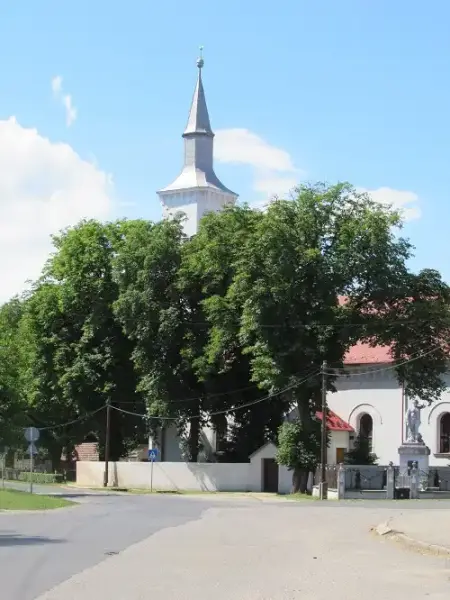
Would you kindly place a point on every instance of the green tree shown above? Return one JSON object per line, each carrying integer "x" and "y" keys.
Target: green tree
{"x": 304, "y": 256}
{"x": 361, "y": 453}
{"x": 209, "y": 265}
{"x": 77, "y": 357}
{"x": 46, "y": 349}
{"x": 298, "y": 448}
{"x": 155, "y": 316}
{"x": 12, "y": 417}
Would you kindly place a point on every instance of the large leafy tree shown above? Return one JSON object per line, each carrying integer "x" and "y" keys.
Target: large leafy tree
{"x": 199, "y": 331}
{"x": 210, "y": 262}
{"x": 81, "y": 358}
{"x": 155, "y": 316}
{"x": 46, "y": 349}
{"x": 303, "y": 257}
{"x": 12, "y": 417}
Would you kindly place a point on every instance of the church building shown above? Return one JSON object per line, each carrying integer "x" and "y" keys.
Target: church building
{"x": 369, "y": 400}
{"x": 197, "y": 189}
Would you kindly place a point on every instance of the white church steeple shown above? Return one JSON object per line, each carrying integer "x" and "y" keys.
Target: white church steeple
{"x": 197, "y": 190}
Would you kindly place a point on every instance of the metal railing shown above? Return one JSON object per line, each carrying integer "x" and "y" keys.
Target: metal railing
{"x": 365, "y": 477}
{"x": 331, "y": 476}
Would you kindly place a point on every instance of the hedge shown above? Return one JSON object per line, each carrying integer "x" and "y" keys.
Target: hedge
{"x": 41, "y": 477}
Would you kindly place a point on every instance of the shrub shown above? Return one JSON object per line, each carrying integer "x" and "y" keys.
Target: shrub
{"x": 41, "y": 477}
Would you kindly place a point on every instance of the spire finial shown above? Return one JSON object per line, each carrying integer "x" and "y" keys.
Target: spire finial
{"x": 200, "y": 61}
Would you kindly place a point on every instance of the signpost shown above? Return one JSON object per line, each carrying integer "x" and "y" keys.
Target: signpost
{"x": 4, "y": 453}
{"x": 31, "y": 435}
{"x": 152, "y": 456}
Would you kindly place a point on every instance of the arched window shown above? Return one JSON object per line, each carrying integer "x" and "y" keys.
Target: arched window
{"x": 366, "y": 428}
{"x": 444, "y": 433}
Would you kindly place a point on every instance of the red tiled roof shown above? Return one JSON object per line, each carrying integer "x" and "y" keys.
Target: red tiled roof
{"x": 335, "y": 423}
{"x": 364, "y": 354}
{"x": 87, "y": 451}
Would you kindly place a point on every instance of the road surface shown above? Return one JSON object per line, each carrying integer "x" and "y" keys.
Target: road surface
{"x": 172, "y": 547}
{"x": 40, "y": 550}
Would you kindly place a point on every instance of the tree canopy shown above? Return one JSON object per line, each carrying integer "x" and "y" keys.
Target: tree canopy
{"x": 229, "y": 328}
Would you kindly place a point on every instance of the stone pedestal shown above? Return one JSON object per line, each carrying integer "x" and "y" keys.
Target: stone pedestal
{"x": 413, "y": 452}
{"x": 323, "y": 490}
{"x": 390, "y": 482}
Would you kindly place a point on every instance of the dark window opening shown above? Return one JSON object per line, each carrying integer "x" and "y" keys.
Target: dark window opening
{"x": 366, "y": 429}
{"x": 444, "y": 446}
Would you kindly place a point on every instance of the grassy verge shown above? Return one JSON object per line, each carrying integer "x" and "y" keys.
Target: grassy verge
{"x": 300, "y": 497}
{"x": 166, "y": 492}
{"x": 17, "y": 500}
{"x": 146, "y": 491}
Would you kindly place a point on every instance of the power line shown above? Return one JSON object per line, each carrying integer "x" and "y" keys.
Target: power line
{"x": 306, "y": 325}
{"x": 227, "y": 410}
{"x": 206, "y": 396}
{"x": 389, "y": 368}
{"x": 333, "y": 324}
{"x": 81, "y": 418}
{"x": 331, "y": 372}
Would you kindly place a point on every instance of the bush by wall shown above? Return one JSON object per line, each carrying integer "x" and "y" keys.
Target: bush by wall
{"x": 40, "y": 477}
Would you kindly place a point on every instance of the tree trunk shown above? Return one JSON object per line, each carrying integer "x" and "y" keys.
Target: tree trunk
{"x": 55, "y": 450}
{"x": 194, "y": 439}
{"x": 300, "y": 475}
{"x": 300, "y": 481}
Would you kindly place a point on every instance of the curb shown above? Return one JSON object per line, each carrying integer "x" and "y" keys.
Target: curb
{"x": 384, "y": 530}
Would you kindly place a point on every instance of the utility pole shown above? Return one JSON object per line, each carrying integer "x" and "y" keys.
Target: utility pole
{"x": 323, "y": 445}
{"x": 108, "y": 427}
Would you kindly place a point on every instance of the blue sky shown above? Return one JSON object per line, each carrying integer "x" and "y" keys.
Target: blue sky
{"x": 350, "y": 90}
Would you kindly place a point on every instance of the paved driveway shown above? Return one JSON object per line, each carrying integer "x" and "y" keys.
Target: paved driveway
{"x": 201, "y": 548}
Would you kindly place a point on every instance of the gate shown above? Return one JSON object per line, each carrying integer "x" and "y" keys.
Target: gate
{"x": 402, "y": 483}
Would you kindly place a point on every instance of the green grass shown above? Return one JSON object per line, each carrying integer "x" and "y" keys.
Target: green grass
{"x": 17, "y": 500}
{"x": 299, "y": 497}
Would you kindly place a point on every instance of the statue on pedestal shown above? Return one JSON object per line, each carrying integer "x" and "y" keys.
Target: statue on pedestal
{"x": 412, "y": 422}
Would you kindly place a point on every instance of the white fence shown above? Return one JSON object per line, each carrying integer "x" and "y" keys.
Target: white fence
{"x": 181, "y": 476}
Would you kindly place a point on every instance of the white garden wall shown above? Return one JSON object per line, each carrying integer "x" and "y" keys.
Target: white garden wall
{"x": 181, "y": 476}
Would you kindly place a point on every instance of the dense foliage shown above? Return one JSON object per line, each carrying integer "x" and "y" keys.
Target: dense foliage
{"x": 229, "y": 328}
{"x": 361, "y": 453}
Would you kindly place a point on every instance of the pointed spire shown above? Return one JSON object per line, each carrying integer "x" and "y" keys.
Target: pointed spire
{"x": 198, "y": 121}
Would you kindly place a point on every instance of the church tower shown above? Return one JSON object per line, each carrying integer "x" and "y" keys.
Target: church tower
{"x": 197, "y": 190}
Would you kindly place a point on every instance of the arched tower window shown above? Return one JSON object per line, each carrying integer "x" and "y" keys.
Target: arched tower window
{"x": 366, "y": 428}
{"x": 444, "y": 433}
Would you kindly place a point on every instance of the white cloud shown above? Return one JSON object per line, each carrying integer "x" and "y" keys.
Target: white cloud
{"x": 275, "y": 175}
{"x": 71, "y": 111}
{"x": 274, "y": 172}
{"x": 275, "y": 186}
{"x": 57, "y": 84}
{"x": 405, "y": 201}
{"x": 244, "y": 147}
{"x": 65, "y": 99}
{"x": 44, "y": 187}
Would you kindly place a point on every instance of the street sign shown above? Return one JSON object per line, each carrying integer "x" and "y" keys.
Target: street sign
{"x": 32, "y": 434}
{"x": 152, "y": 454}
{"x": 32, "y": 450}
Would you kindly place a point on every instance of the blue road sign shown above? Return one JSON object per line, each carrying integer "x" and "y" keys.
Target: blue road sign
{"x": 152, "y": 454}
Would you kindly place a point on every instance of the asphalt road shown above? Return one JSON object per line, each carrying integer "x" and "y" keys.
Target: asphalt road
{"x": 262, "y": 551}
{"x": 40, "y": 550}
